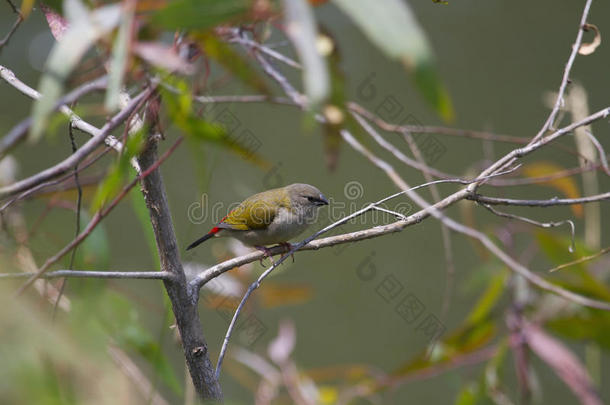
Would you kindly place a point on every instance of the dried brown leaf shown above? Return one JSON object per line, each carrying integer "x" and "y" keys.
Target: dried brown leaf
{"x": 590, "y": 47}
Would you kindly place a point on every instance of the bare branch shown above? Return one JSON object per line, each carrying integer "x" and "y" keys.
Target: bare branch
{"x": 16, "y": 24}
{"x": 581, "y": 260}
{"x": 537, "y": 223}
{"x": 566, "y": 74}
{"x": 538, "y": 203}
{"x": 141, "y": 275}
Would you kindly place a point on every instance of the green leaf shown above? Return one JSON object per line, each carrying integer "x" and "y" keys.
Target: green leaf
{"x": 190, "y": 14}
{"x": 469, "y": 394}
{"x": 139, "y": 207}
{"x": 117, "y": 174}
{"x": 391, "y": 26}
{"x": 118, "y": 61}
{"x": 301, "y": 29}
{"x": 490, "y": 297}
{"x": 232, "y": 62}
{"x": 180, "y": 111}
{"x": 590, "y": 325}
{"x": 94, "y": 252}
{"x": 84, "y": 29}
{"x": 577, "y": 277}
{"x": 136, "y": 338}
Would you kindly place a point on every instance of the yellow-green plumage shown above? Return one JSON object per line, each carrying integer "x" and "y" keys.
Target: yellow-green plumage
{"x": 273, "y": 216}
{"x": 257, "y": 211}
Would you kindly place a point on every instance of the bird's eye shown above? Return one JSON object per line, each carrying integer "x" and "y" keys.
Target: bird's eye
{"x": 312, "y": 199}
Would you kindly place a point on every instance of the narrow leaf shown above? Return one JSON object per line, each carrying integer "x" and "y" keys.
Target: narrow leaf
{"x": 190, "y": 14}
{"x": 565, "y": 364}
{"x": 118, "y": 61}
{"x": 392, "y": 27}
{"x": 301, "y": 29}
{"x": 64, "y": 56}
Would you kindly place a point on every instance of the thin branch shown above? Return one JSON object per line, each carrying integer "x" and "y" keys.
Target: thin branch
{"x": 16, "y": 24}
{"x": 581, "y": 260}
{"x": 600, "y": 151}
{"x": 447, "y": 131}
{"x": 235, "y": 35}
{"x": 79, "y": 200}
{"x": 538, "y": 203}
{"x": 566, "y": 75}
{"x": 396, "y": 152}
{"x": 141, "y": 275}
{"x": 422, "y": 129}
{"x": 40, "y": 187}
{"x": 515, "y": 154}
{"x": 537, "y": 223}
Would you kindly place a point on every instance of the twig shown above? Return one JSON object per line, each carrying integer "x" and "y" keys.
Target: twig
{"x": 79, "y": 198}
{"x": 515, "y": 154}
{"x": 566, "y": 75}
{"x": 538, "y": 203}
{"x": 143, "y": 275}
{"x": 235, "y": 36}
{"x": 581, "y": 260}
{"x": 536, "y": 223}
{"x": 16, "y": 24}
{"x": 41, "y": 186}
{"x": 600, "y": 151}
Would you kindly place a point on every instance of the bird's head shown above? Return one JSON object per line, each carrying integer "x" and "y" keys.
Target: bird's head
{"x": 305, "y": 198}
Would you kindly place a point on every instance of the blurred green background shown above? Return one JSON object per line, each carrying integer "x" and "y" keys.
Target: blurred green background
{"x": 498, "y": 60}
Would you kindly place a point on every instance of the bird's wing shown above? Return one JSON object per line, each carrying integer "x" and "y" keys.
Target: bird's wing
{"x": 256, "y": 212}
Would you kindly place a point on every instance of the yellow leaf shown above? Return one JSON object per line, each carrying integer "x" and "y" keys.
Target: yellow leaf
{"x": 274, "y": 295}
{"x": 567, "y": 185}
{"x": 328, "y": 395}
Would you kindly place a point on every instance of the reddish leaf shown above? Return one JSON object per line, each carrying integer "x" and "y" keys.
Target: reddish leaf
{"x": 163, "y": 56}
{"x": 57, "y": 23}
{"x": 565, "y": 364}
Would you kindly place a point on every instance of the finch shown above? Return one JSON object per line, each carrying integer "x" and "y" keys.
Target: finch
{"x": 271, "y": 217}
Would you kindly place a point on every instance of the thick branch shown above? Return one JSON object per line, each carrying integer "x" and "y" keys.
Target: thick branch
{"x": 183, "y": 305}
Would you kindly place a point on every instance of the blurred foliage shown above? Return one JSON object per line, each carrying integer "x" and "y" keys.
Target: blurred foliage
{"x": 183, "y": 45}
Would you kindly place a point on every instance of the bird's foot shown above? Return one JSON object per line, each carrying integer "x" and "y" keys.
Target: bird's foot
{"x": 267, "y": 252}
{"x": 288, "y": 247}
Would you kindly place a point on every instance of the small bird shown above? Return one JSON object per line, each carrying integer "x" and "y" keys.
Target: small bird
{"x": 270, "y": 217}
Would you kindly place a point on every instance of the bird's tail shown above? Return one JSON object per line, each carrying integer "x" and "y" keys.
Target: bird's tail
{"x": 203, "y": 238}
